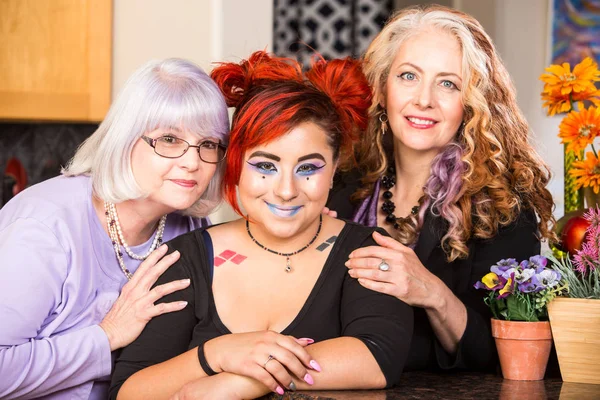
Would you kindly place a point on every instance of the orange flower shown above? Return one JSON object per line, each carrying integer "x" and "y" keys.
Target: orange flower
{"x": 579, "y": 128}
{"x": 593, "y": 96}
{"x": 561, "y": 79}
{"x": 558, "y": 103}
{"x": 587, "y": 172}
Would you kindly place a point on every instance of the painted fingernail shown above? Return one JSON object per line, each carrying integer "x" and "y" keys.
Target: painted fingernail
{"x": 182, "y": 304}
{"x": 185, "y": 281}
{"x": 309, "y": 340}
{"x": 279, "y": 390}
{"x": 315, "y": 365}
{"x": 309, "y": 379}
{"x": 292, "y": 386}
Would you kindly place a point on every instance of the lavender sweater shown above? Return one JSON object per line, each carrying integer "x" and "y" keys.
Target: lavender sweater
{"x": 58, "y": 279}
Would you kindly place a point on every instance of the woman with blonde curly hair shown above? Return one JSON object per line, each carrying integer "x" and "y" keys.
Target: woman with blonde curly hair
{"x": 447, "y": 169}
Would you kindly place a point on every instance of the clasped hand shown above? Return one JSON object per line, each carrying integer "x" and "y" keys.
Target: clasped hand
{"x": 266, "y": 356}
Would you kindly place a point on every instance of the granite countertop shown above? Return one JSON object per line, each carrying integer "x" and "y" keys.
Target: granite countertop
{"x": 425, "y": 385}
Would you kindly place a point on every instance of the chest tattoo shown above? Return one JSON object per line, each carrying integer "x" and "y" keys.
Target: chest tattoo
{"x": 326, "y": 243}
{"x": 229, "y": 255}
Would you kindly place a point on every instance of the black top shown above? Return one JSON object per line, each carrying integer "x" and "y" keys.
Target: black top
{"x": 337, "y": 306}
{"x": 476, "y": 349}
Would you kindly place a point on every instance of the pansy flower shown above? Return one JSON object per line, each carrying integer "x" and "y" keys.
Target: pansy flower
{"x": 505, "y": 268}
{"x": 490, "y": 281}
{"x": 523, "y": 275}
{"x": 509, "y": 287}
{"x": 538, "y": 262}
{"x": 546, "y": 279}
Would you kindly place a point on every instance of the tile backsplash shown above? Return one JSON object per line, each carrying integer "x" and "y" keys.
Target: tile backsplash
{"x": 41, "y": 149}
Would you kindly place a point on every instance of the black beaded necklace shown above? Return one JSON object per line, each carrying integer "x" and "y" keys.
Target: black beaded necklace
{"x": 388, "y": 181}
{"x": 288, "y": 264}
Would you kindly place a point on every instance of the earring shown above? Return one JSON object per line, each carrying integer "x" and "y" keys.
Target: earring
{"x": 383, "y": 118}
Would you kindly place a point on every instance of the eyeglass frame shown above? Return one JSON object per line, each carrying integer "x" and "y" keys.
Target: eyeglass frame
{"x": 152, "y": 143}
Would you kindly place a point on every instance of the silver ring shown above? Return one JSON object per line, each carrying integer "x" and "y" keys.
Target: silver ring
{"x": 292, "y": 386}
{"x": 268, "y": 359}
{"x": 383, "y": 266}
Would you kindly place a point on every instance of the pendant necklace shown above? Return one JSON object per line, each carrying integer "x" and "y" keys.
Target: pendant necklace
{"x": 288, "y": 264}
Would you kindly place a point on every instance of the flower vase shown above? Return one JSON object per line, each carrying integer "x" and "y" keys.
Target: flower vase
{"x": 591, "y": 199}
{"x": 575, "y": 327}
{"x": 523, "y": 348}
{"x": 573, "y": 197}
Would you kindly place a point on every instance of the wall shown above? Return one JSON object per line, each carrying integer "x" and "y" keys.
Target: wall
{"x": 521, "y": 32}
{"x": 200, "y": 30}
{"x": 208, "y": 30}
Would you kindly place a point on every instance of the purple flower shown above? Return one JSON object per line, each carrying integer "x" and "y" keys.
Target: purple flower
{"x": 505, "y": 268}
{"x": 503, "y": 265}
{"x": 527, "y": 287}
{"x": 538, "y": 262}
{"x": 546, "y": 279}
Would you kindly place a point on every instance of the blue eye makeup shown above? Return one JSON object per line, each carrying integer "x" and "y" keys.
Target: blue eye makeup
{"x": 263, "y": 167}
{"x": 308, "y": 169}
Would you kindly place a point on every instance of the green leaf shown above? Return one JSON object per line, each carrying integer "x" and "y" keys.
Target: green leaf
{"x": 519, "y": 309}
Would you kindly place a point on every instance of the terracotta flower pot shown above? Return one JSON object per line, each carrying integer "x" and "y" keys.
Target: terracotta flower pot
{"x": 523, "y": 348}
{"x": 576, "y": 329}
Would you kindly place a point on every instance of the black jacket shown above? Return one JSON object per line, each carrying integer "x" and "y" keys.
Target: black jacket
{"x": 476, "y": 350}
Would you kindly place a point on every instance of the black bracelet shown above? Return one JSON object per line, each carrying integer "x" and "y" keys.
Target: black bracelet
{"x": 203, "y": 363}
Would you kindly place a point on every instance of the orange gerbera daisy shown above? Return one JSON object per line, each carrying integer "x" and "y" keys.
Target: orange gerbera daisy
{"x": 579, "y": 128}
{"x": 560, "y": 78}
{"x": 587, "y": 172}
{"x": 593, "y": 96}
{"x": 558, "y": 103}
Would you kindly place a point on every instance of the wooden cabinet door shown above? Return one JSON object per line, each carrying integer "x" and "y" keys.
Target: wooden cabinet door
{"x": 55, "y": 59}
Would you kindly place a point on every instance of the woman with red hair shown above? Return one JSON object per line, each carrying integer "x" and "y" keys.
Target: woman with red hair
{"x": 271, "y": 305}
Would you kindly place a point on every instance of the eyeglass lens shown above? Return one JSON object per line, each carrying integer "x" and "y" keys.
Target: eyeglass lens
{"x": 171, "y": 147}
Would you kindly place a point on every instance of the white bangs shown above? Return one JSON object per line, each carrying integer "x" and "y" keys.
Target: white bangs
{"x": 185, "y": 106}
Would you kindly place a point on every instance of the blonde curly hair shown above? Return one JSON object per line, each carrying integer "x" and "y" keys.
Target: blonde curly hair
{"x": 490, "y": 172}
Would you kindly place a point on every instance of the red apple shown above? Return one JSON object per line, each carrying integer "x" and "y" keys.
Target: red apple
{"x": 573, "y": 234}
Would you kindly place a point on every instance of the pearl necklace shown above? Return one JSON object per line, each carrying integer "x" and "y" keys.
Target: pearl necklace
{"x": 288, "y": 264}
{"x": 116, "y": 235}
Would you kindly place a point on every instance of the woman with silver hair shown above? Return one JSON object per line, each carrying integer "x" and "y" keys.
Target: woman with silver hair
{"x": 81, "y": 252}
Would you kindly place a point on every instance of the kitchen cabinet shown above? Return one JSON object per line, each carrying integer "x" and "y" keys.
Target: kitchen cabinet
{"x": 55, "y": 59}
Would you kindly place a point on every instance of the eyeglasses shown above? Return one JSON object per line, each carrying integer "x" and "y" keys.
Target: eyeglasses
{"x": 172, "y": 147}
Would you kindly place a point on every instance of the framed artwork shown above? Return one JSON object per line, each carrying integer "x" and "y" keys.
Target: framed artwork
{"x": 575, "y": 26}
